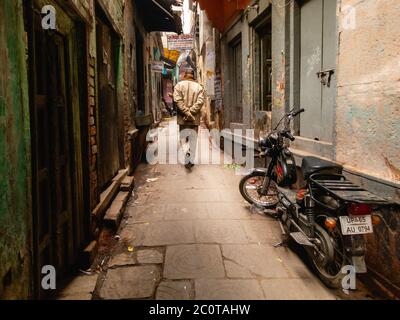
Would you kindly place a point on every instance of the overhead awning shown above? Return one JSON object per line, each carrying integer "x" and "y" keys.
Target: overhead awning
{"x": 157, "y": 15}
{"x": 222, "y": 13}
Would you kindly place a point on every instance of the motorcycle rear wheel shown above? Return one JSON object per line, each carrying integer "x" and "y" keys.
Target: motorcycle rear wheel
{"x": 250, "y": 187}
{"x": 330, "y": 270}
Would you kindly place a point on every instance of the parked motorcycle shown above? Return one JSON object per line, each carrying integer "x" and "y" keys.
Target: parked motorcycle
{"x": 328, "y": 215}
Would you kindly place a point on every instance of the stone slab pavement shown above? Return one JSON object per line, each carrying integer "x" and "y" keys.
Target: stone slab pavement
{"x": 190, "y": 235}
{"x": 212, "y": 245}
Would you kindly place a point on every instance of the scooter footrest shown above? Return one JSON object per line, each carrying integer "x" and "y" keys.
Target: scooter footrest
{"x": 300, "y": 238}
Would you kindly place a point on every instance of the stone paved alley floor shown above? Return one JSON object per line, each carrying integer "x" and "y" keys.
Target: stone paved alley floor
{"x": 192, "y": 236}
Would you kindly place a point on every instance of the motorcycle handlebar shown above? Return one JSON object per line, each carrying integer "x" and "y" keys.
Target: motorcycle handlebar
{"x": 289, "y": 135}
{"x": 298, "y": 112}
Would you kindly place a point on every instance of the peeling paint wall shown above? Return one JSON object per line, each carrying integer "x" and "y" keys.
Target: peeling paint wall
{"x": 15, "y": 190}
{"x": 368, "y": 105}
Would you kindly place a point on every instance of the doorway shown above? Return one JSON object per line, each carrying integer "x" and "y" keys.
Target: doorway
{"x": 52, "y": 153}
{"x": 109, "y": 137}
{"x": 58, "y": 116}
{"x": 318, "y": 68}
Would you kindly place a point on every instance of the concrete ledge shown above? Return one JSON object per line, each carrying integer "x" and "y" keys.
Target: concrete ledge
{"x": 319, "y": 148}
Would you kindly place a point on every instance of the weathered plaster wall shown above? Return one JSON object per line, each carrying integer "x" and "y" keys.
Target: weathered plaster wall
{"x": 207, "y": 43}
{"x": 368, "y": 104}
{"x": 84, "y": 8}
{"x": 279, "y": 62}
{"x": 15, "y": 199}
{"x": 129, "y": 75}
{"x": 368, "y": 113}
{"x": 115, "y": 12}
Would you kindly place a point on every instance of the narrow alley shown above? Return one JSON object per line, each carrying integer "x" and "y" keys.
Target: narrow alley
{"x": 199, "y": 150}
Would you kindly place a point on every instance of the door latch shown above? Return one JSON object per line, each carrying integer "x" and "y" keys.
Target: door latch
{"x": 326, "y": 77}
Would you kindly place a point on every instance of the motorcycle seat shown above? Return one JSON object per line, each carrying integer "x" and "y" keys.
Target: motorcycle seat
{"x": 313, "y": 165}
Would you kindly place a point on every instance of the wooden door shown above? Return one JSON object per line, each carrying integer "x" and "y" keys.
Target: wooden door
{"x": 51, "y": 126}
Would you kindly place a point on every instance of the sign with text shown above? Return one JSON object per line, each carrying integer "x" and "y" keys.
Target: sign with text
{"x": 180, "y": 42}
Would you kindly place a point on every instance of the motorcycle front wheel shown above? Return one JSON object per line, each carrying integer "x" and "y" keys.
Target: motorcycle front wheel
{"x": 250, "y": 188}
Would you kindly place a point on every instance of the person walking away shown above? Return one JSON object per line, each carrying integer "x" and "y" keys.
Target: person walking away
{"x": 189, "y": 98}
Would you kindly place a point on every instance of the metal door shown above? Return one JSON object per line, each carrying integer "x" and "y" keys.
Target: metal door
{"x": 52, "y": 189}
{"x": 318, "y": 63}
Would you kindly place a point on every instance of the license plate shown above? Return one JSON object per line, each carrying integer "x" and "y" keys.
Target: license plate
{"x": 356, "y": 225}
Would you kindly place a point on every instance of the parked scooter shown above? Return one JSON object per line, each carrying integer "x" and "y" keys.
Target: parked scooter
{"x": 328, "y": 215}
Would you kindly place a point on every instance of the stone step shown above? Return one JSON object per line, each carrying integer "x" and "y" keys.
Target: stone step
{"x": 113, "y": 216}
{"x": 127, "y": 184}
{"x": 89, "y": 254}
{"x": 108, "y": 195}
{"x": 121, "y": 175}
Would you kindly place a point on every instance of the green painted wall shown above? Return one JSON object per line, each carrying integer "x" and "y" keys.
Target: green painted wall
{"x": 15, "y": 161}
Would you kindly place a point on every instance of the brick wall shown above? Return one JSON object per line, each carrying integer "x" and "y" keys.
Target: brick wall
{"x": 94, "y": 192}
{"x": 129, "y": 76}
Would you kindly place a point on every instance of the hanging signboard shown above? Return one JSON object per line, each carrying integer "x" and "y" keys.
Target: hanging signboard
{"x": 180, "y": 42}
{"x": 172, "y": 55}
{"x": 157, "y": 66}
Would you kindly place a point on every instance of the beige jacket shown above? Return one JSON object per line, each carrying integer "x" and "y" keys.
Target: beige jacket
{"x": 189, "y": 97}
